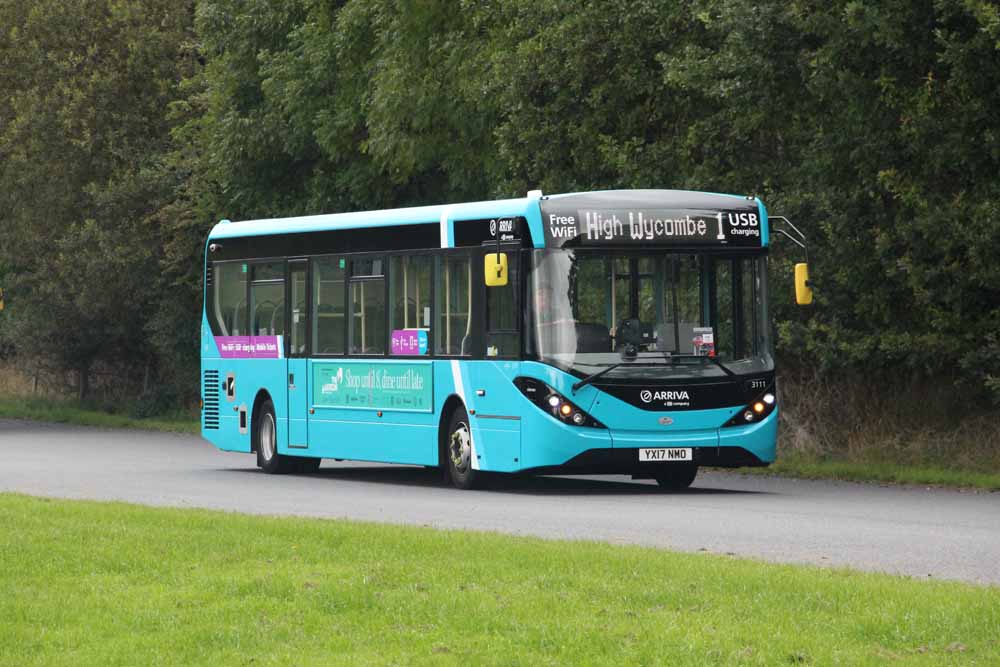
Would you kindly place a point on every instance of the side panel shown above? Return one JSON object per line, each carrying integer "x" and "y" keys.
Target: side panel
{"x": 545, "y": 441}
{"x": 298, "y": 404}
{"x": 498, "y": 406}
{"x": 247, "y": 376}
{"x": 376, "y": 410}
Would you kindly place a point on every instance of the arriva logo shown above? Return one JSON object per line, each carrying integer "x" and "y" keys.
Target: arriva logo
{"x": 334, "y": 384}
{"x": 648, "y": 396}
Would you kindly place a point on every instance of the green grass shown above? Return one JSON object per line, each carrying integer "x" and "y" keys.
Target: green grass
{"x": 69, "y": 413}
{"x": 85, "y": 583}
{"x": 890, "y": 473}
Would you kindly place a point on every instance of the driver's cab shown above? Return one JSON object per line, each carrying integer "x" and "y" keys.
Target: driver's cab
{"x": 633, "y": 303}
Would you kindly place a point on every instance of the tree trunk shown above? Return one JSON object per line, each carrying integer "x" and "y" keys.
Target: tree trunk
{"x": 84, "y": 384}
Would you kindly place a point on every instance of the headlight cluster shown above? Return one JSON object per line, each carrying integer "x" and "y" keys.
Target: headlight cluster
{"x": 554, "y": 403}
{"x": 756, "y": 411}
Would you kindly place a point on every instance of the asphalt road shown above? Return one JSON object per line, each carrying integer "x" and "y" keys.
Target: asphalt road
{"x": 911, "y": 531}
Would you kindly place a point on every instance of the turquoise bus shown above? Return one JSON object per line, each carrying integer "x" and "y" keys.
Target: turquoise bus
{"x": 619, "y": 332}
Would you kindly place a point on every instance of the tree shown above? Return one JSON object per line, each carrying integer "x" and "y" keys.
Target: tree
{"x": 82, "y": 131}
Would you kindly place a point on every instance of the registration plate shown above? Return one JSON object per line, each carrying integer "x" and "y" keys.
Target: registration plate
{"x": 666, "y": 454}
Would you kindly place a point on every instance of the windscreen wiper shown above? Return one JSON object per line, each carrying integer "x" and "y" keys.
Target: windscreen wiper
{"x": 665, "y": 355}
{"x": 593, "y": 376}
{"x": 715, "y": 360}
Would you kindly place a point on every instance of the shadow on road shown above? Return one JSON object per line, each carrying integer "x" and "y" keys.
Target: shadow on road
{"x": 499, "y": 483}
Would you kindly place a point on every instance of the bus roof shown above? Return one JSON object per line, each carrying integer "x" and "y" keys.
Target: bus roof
{"x": 533, "y": 207}
{"x": 379, "y": 218}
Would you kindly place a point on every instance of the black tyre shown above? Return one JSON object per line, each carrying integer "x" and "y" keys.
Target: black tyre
{"x": 677, "y": 476}
{"x": 458, "y": 451}
{"x": 265, "y": 440}
{"x": 307, "y": 465}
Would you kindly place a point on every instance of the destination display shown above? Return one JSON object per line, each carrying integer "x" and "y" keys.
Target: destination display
{"x": 374, "y": 386}
{"x": 485, "y": 230}
{"x": 702, "y": 220}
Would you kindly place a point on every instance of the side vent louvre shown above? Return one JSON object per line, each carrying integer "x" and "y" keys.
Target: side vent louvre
{"x": 211, "y": 393}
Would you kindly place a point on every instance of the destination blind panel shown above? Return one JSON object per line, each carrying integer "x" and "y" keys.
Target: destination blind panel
{"x": 571, "y": 223}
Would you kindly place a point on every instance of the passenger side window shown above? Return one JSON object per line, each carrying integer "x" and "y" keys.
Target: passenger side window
{"x": 328, "y": 313}
{"x": 228, "y": 299}
{"x": 453, "y": 303}
{"x": 267, "y": 299}
{"x": 367, "y": 294}
{"x": 410, "y": 296}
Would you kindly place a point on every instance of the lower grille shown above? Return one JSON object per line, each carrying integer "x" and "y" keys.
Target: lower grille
{"x": 210, "y": 395}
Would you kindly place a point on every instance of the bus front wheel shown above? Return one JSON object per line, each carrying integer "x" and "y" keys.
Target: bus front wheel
{"x": 458, "y": 451}
{"x": 677, "y": 477}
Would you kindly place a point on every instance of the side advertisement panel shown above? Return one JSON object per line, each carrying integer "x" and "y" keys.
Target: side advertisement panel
{"x": 405, "y": 387}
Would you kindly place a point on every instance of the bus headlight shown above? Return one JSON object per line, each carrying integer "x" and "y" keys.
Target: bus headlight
{"x": 756, "y": 411}
{"x": 552, "y": 402}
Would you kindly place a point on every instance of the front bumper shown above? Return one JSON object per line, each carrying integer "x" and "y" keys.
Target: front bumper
{"x": 625, "y": 461}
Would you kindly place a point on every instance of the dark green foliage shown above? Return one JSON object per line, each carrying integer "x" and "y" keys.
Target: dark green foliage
{"x": 873, "y": 125}
{"x": 82, "y": 132}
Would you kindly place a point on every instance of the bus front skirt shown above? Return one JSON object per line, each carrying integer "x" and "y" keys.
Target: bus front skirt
{"x": 625, "y": 461}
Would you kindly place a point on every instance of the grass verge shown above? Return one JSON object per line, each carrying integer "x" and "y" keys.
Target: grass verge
{"x": 84, "y": 583}
{"x": 889, "y": 473}
{"x": 68, "y": 413}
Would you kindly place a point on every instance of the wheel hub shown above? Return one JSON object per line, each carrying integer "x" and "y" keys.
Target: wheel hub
{"x": 460, "y": 447}
{"x": 267, "y": 437}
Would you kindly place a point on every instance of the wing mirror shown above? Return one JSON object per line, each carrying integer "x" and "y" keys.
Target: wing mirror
{"x": 803, "y": 287}
{"x": 495, "y": 269}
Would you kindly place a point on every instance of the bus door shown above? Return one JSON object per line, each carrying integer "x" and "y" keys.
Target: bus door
{"x": 497, "y": 401}
{"x": 297, "y": 352}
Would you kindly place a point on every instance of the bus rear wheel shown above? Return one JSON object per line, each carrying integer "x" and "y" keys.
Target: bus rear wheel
{"x": 458, "y": 451}
{"x": 265, "y": 440}
{"x": 677, "y": 477}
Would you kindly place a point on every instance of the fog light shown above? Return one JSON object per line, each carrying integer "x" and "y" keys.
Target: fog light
{"x": 554, "y": 401}
{"x": 578, "y": 418}
{"x": 758, "y": 407}
{"x": 769, "y": 399}
{"x": 566, "y": 409}
{"x": 748, "y": 416}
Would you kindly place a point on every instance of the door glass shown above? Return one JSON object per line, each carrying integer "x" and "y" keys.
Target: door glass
{"x": 502, "y": 335}
{"x": 297, "y": 326}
